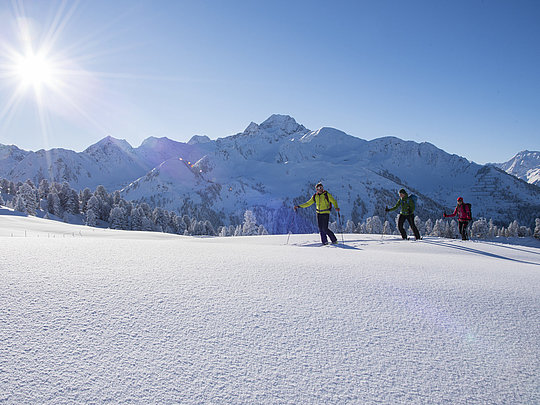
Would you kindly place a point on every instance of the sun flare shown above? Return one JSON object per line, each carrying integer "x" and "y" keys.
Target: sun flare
{"x": 34, "y": 70}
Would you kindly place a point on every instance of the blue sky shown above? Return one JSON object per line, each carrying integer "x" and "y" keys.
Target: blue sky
{"x": 463, "y": 75}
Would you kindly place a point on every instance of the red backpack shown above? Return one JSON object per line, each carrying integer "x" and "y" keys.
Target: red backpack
{"x": 467, "y": 211}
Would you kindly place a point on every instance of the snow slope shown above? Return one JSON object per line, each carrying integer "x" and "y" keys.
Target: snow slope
{"x": 96, "y": 316}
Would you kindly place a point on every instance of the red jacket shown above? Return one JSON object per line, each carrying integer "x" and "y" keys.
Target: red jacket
{"x": 462, "y": 213}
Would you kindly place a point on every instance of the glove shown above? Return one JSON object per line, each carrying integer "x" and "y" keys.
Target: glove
{"x": 296, "y": 207}
{"x": 337, "y": 209}
{"x": 444, "y": 214}
{"x": 386, "y": 209}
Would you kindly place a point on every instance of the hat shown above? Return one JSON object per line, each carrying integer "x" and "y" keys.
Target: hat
{"x": 402, "y": 191}
{"x": 460, "y": 198}
{"x": 319, "y": 185}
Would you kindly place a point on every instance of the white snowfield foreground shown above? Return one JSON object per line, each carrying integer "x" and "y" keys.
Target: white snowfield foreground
{"x": 101, "y": 316}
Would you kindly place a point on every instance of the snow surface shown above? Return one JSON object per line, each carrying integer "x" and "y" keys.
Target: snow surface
{"x": 100, "y": 316}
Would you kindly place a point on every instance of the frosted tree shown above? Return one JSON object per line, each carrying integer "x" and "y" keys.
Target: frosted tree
{"x": 374, "y": 225}
{"x": 172, "y": 224}
{"x": 12, "y": 189}
{"x": 249, "y": 227}
{"x": 53, "y": 204}
{"x": 4, "y": 186}
{"x": 524, "y": 231}
{"x": 2, "y": 202}
{"x": 29, "y": 199}
{"x": 420, "y": 225}
{"x": 43, "y": 189}
{"x": 262, "y": 230}
{"x": 72, "y": 202}
{"x": 180, "y": 225}
{"x": 91, "y": 217}
{"x": 492, "y": 229}
{"x": 238, "y": 230}
{"x": 116, "y": 197}
{"x": 117, "y": 218}
{"x": 222, "y": 231}
{"x": 94, "y": 204}
{"x": 513, "y": 229}
{"x": 349, "y": 227}
{"x": 428, "y": 227}
{"x": 361, "y": 228}
{"x": 160, "y": 217}
{"x": 537, "y": 228}
{"x": 208, "y": 228}
{"x": 18, "y": 204}
{"x": 480, "y": 228}
{"x": 136, "y": 219}
{"x": 146, "y": 224}
{"x": 387, "y": 228}
{"x": 104, "y": 202}
{"x": 454, "y": 230}
{"x": 438, "y": 228}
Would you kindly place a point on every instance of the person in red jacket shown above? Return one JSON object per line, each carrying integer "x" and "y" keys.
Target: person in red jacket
{"x": 463, "y": 211}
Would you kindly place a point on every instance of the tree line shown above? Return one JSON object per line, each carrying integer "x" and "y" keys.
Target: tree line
{"x": 101, "y": 209}
{"x": 479, "y": 229}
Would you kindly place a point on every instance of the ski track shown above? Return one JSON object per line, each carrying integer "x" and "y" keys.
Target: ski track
{"x": 158, "y": 319}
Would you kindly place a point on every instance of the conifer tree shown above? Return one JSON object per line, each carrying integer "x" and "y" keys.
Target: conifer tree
{"x": 250, "y": 226}
{"x": 117, "y": 218}
{"x": 91, "y": 217}
{"x": 28, "y": 196}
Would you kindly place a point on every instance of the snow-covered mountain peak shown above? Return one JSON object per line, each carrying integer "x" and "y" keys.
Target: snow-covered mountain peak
{"x": 108, "y": 146}
{"x": 11, "y": 152}
{"x": 251, "y": 128}
{"x": 198, "y": 139}
{"x": 325, "y": 134}
{"x": 524, "y": 165}
{"x": 153, "y": 141}
{"x": 282, "y": 123}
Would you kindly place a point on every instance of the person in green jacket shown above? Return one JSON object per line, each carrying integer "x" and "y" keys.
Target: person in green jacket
{"x": 324, "y": 201}
{"x": 406, "y": 212}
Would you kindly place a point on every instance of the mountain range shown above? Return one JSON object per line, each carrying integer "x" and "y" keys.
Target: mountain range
{"x": 272, "y": 166}
{"x": 524, "y": 165}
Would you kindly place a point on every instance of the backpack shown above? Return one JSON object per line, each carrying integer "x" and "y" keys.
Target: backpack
{"x": 468, "y": 211}
{"x": 414, "y": 198}
{"x": 326, "y": 195}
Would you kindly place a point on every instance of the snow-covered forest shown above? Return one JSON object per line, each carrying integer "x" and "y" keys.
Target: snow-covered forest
{"x": 101, "y": 209}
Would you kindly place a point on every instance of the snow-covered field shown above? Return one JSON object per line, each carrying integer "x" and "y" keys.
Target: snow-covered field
{"x": 101, "y": 316}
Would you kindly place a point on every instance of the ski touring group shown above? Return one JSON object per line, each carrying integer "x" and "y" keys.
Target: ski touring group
{"x": 324, "y": 202}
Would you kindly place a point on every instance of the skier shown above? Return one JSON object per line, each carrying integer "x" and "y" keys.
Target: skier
{"x": 323, "y": 201}
{"x": 406, "y": 213}
{"x": 463, "y": 212}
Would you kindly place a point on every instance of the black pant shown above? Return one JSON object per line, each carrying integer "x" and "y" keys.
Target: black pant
{"x": 322, "y": 221}
{"x": 463, "y": 229}
{"x": 401, "y": 221}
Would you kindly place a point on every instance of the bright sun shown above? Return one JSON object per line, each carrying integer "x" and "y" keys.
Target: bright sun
{"x": 34, "y": 70}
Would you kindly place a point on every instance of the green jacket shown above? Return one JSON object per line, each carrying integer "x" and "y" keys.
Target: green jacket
{"x": 406, "y": 204}
{"x": 323, "y": 204}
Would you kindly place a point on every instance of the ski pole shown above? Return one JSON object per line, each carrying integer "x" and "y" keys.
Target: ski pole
{"x": 384, "y": 222}
{"x": 341, "y": 227}
{"x": 289, "y": 227}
